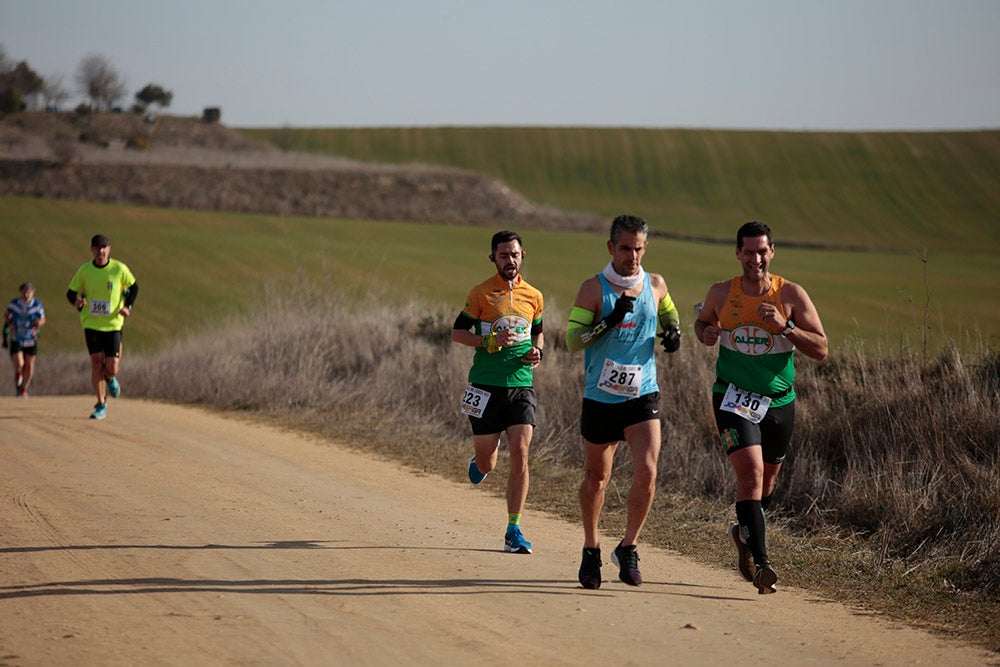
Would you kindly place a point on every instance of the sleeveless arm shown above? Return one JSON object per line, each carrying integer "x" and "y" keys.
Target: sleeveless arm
{"x": 808, "y": 336}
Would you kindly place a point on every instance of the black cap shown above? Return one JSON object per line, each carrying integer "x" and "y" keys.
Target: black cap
{"x": 99, "y": 241}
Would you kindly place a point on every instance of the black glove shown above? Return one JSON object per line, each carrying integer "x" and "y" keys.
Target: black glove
{"x": 623, "y": 306}
{"x": 671, "y": 339}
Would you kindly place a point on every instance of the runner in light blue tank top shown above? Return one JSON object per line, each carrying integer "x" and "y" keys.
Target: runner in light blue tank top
{"x": 614, "y": 321}
{"x": 631, "y": 343}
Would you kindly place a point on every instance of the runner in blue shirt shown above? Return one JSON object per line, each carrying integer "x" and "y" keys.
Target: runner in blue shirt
{"x": 21, "y": 321}
{"x": 614, "y": 320}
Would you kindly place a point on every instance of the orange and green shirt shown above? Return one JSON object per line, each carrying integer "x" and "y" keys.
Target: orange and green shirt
{"x": 498, "y": 304}
{"x": 751, "y": 355}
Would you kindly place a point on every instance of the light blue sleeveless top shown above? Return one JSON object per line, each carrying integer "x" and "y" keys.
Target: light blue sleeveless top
{"x": 632, "y": 342}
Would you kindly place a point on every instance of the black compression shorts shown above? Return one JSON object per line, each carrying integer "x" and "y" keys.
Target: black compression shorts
{"x": 773, "y": 433}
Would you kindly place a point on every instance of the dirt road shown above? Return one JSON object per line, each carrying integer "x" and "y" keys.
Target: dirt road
{"x": 169, "y": 535}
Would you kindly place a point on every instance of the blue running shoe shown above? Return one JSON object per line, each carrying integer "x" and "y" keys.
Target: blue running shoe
{"x": 474, "y": 475}
{"x": 114, "y": 388}
{"x": 514, "y": 542}
{"x": 100, "y": 411}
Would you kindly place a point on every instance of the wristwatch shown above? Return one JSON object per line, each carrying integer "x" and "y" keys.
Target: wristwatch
{"x": 789, "y": 325}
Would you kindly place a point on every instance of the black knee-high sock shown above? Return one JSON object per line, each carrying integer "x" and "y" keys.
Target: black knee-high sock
{"x": 750, "y": 514}
{"x": 765, "y": 502}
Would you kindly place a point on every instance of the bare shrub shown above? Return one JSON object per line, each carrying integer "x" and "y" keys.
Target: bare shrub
{"x": 904, "y": 450}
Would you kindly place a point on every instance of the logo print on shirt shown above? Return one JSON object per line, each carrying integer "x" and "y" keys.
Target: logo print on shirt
{"x": 517, "y": 324}
{"x": 751, "y": 340}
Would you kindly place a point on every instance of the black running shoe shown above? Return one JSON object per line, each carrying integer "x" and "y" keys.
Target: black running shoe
{"x": 627, "y": 560}
{"x": 744, "y": 560}
{"x": 590, "y": 568}
{"x": 764, "y": 579}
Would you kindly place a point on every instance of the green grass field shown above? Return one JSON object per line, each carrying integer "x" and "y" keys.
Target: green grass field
{"x": 889, "y": 190}
{"x": 196, "y": 269}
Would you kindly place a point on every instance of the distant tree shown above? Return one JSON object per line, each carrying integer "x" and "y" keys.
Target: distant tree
{"x": 24, "y": 79}
{"x": 154, "y": 94}
{"x": 10, "y": 101}
{"x": 54, "y": 92}
{"x": 17, "y": 83}
{"x": 100, "y": 82}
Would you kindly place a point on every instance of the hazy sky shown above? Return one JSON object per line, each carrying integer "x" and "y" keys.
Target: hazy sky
{"x": 782, "y": 64}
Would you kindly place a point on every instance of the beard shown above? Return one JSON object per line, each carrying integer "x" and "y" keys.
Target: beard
{"x": 509, "y": 272}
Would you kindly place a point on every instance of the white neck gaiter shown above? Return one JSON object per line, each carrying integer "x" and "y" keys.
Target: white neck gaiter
{"x": 627, "y": 282}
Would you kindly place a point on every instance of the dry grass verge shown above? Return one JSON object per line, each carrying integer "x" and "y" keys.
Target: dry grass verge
{"x": 890, "y": 498}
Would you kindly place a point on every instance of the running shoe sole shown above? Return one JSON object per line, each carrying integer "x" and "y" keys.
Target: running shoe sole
{"x": 114, "y": 388}
{"x": 516, "y": 544}
{"x": 744, "y": 560}
{"x": 765, "y": 579}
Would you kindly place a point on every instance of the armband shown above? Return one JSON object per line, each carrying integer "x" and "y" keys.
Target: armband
{"x": 578, "y": 332}
{"x": 667, "y": 314}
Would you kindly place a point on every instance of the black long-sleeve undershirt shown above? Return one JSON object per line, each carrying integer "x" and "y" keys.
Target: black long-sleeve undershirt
{"x": 131, "y": 294}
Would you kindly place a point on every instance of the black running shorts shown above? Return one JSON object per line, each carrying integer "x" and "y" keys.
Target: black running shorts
{"x": 28, "y": 351}
{"x": 108, "y": 343}
{"x": 603, "y": 423}
{"x": 508, "y": 406}
{"x": 773, "y": 433}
